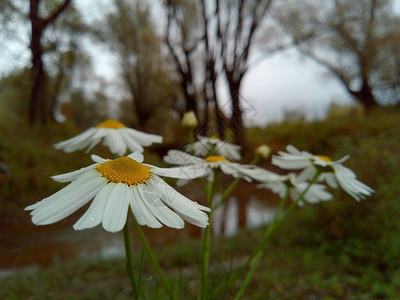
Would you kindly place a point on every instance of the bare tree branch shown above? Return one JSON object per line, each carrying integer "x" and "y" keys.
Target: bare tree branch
{"x": 56, "y": 13}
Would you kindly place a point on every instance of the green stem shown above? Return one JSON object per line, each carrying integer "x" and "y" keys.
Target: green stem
{"x": 226, "y": 193}
{"x": 255, "y": 160}
{"x": 254, "y": 259}
{"x": 257, "y": 253}
{"x": 147, "y": 248}
{"x": 130, "y": 267}
{"x": 272, "y": 226}
{"x": 190, "y": 136}
{"x": 207, "y": 238}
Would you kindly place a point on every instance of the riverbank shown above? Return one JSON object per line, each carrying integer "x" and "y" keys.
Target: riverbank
{"x": 341, "y": 249}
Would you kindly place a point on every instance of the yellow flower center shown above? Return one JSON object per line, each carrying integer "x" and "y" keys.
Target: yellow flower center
{"x": 324, "y": 158}
{"x": 214, "y": 159}
{"x": 124, "y": 170}
{"x": 110, "y": 124}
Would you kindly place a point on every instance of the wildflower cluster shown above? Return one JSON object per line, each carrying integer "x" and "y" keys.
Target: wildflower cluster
{"x": 126, "y": 184}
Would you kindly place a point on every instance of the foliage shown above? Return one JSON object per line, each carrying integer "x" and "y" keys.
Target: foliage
{"x": 336, "y": 250}
{"x": 14, "y": 90}
{"x": 144, "y": 72}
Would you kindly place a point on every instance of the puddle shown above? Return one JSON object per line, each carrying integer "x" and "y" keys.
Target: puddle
{"x": 226, "y": 217}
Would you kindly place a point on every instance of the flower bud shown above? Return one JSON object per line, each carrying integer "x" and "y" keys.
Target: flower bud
{"x": 189, "y": 120}
{"x": 264, "y": 151}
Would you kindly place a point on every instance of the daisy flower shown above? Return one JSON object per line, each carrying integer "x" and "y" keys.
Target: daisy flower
{"x": 115, "y": 135}
{"x": 179, "y": 158}
{"x": 333, "y": 172}
{"x": 214, "y": 146}
{"x": 279, "y": 184}
{"x": 117, "y": 185}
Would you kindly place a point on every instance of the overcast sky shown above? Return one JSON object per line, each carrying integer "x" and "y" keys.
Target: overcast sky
{"x": 286, "y": 81}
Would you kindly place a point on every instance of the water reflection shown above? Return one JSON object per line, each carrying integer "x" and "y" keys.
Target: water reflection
{"x": 30, "y": 247}
{"x": 226, "y": 217}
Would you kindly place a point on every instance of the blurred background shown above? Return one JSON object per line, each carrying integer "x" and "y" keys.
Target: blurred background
{"x": 323, "y": 75}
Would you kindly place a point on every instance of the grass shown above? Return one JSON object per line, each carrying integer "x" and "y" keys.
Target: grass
{"x": 336, "y": 250}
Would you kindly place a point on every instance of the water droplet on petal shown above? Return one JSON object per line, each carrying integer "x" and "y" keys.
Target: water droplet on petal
{"x": 92, "y": 218}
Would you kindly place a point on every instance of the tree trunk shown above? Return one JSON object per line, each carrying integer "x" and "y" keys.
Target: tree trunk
{"x": 206, "y": 121}
{"x": 191, "y": 103}
{"x": 365, "y": 96}
{"x": 38, "y": 100}
{"x": 38, "y": 105}
{"x": 236, "y": 122}
{"x": 220, "y": 120}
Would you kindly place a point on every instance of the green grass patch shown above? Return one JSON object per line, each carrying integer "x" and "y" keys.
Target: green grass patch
{"x": 336, "y": 250}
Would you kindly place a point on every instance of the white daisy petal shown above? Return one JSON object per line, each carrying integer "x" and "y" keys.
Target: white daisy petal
{"x": 140, "y": 211}
{"x": 115, "y": 143}
{"x": 348, "y": 189}
{"x": 289, "y": 163}
{"x": 175, "y": 157}
{"x": 100, "y": 132}
{"x": 62, "y": 207}
{"x": 259, "y": 174}
{"x": 292, "y": 150}
{"x": 115, "y": 185}
{"x": 343, "y": 159}
{"x": 212, "y": 146}
{"x": 229, "y": 151}
{"x": 135, "y": 207}
{"x": 247, "y": 172}
{"x": 66, "y": 190}
{"x": 74, "y": 147}
{"x": 160, "y": 210}
{"x": 347, "y": 180}
{"x": 183, "y": 172}
{"x": 229, "y": 169}
{"x": 190, "y": 211}
{"x": 94, "y": 215}
{"x": 293, "y": 159}
{"x": 67, "y": 177}
{"x": 82, "y": 137}
{"x": 315, "y": 194}
{"x": 93, "y": 143}
{"x": 130, "y": 142}
{"x": 331, "y": 180}
{"x": 320, "y": 193}
{"x": 145, "y": 139}
{"x": 116, "y": 208}
{"x": 115, "y": 136}
{"x": 137, "y": 156}
{"x": 307, "y": 174}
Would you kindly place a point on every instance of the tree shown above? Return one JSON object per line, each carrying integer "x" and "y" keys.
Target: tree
{"x": 237, "y": 23}
{"x": 83, "y": 110}
{"x": 144, "y": 71}
{"x": 224, "y": 33}
{"x": 38, "y": 105}
{"x": 353, "y": 39}
{"x": 54, "y": 44}
{"x": 183, "y": 38}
